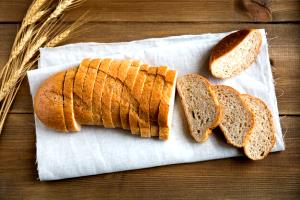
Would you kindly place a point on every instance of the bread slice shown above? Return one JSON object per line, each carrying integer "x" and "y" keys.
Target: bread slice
{"x": 48, "y": 102}
{"x": 155, "y": 98}
{"x": 88, "y": 90}
{"x": 137, "y": 93}
{"x": 78, "y": 89}
{"x": 200, "y": 105}
{"x": 108, "y": 93}
{"x": 237, "y": 121}
{"x": 235, "y": 53}
{"x": 98, "y": 90}
{"x": 71, "y": 122}
{"x": 144, "y": 109}
{"x": 127, "y": 88}
{"x": 260, "y": 142}
{"x": 166, "y": 105}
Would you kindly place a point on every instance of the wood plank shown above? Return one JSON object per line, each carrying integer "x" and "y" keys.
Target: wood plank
{"x": 284, "y": 41}
{"x": 160, "y": 11}
{"x": 278, "y": 176}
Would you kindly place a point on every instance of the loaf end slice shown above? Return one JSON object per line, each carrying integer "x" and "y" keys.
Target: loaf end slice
{"x": 262, "y": 139}
{"x": 238, "y": 120}
{"x": 200, "y": 104}
{"x": 235, "y": 53}
{"x": 48, "y": 102}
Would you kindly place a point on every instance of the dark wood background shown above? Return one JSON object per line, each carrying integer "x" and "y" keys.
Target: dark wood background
{"x": 276, "y": 177}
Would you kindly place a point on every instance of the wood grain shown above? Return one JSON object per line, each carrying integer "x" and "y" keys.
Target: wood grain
{"x": 284, "y": 49}
{"x": 160, "y": 11}
{"x": 276, "y": 176}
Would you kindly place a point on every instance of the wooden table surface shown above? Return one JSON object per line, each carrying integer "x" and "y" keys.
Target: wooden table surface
{"x": 276, "y": 177}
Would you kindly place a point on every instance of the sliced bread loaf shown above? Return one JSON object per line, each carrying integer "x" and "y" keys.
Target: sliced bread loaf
{"x": 88, "y": 88}
{"x": 98, "y": 90}
{"x": 260, "y": 142}
{"x": 200, "y": 105}
{"x": 238, "y": 120}
{"x": 235, "y": 53}
{"x": 71, "y": 122}
{"x": 166, "y": 105}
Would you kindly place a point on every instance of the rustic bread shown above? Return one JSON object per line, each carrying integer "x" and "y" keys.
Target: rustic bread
{"x": 78, "y": 89}
{"x": 137, "y": 93}
{"x": 238, "y": 120}
{"x": 98, "y": 90}
{"x": 127, "y": 88}
{"x": 235, "y": 53}
{"x": 71, "y": 123}
{"x": 200, "y": 105}
{"x": 260, "y": 142}
{"x": 155, "y": 98}
{"x": 48, "y": 102}
{"x": 106, "y": 111}
{"x": 88, "y": 90}
{"x": 144, "y": 112}
{"x": 166, "y": 105}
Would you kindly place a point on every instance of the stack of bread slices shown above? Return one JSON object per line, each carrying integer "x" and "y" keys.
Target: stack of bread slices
{"x": 114, "y": 93}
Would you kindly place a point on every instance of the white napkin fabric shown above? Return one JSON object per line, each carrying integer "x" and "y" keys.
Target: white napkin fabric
{"x": 97, "y": 150}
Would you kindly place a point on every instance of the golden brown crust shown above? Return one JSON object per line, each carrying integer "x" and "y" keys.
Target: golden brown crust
{"x": 48, "y": 102}
{"x": 232, "y": 90}
{"x": 136, "y": 93}
{"x": 78, "y": 88}
{"x": 71, "y": 122}
{"x": 108, "y": 93}
{"x": 259, "y": 101}
{"x": 88, "y": 88}
{"x": 145, "y": 103}
{"x": 98, "y": 90}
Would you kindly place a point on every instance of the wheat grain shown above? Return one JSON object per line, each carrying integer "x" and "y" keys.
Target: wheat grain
{"x": 34, "y": 9}
{"x": 62, "y": 6}
{"x": 22, "y": 43}
{"x": 59, "y": 38}
{"x": 10, "y": 83}
{"x": 32, "y": 50}
{"x": 33, "y": 19}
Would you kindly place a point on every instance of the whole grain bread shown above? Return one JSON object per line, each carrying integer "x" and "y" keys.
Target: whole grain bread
{"x": 238, "y": 120}
{"x": 260, "y": 142}
{"x": 48, "y": 102}
{"x": 200, "y": 105}
{"x": 235, "y": 53}
{"x": 71, "y": 123}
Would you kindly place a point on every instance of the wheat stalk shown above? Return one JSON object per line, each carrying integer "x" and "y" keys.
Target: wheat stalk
{"x": 40, "y": 27}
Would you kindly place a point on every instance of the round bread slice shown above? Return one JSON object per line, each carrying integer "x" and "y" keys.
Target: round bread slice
{"x": 127, "y": 88}
{"x": 235, "y": 53}
{"x": 144, "y": 109}
{"x": 166, "y": 105}
{"x": 78, "y": 89}
{"x": 98, "y": 90}
{"x": 200, "y": 104}
{"x": 136, "y": 93}
{"x": 155, "y": 98}
{"x": 48, "y": 102}
{"x": 238, "y": 120}
{"x": 88, "y": 88}
{"x": 71, "y": 123}
{"x": 108, "y": 93}
{"x": 260, "y": 142}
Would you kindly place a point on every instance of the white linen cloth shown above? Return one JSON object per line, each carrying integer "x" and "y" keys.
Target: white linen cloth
{"x": 96, "y": 150}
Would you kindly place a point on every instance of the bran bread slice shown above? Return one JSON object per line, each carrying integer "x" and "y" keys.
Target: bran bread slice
{"x": 88, "y": 90}
{"x": 155, "y": 98}
{"x": 98, "y": 90}
{"x": 49, "y": 100}
{"x": 235, "y": 53}
{"x": 127, "y": 88}
{"x": 260, "y": 142}
{"x": 144, "y": 109}
{"x": 200, "y": 104}
{"x": 166, "y": 105}
{"x": 78, "y": 89}
{"x": 238, "y": 120}
{"x": 106, "y": 111}
{"x": 71, "y": 123}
